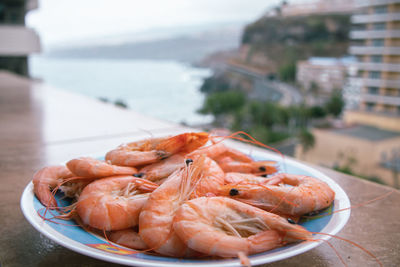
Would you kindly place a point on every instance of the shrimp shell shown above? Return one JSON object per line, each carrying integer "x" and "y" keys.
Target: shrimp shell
{"x": 155, "y": 149}
{"x": 225, "y": 227}
{"x": 113, "y": 203}
{"x": 303, "y": 195}
{"x": 93, "y": 168}
{"x": 156, "y": 218}
{"x": 46, "y": 179}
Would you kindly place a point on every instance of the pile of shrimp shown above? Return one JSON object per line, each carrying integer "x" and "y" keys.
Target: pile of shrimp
{"x": 186, "y": 196}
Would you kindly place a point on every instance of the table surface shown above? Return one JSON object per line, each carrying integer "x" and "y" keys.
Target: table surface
{"x": 41, "y": 125}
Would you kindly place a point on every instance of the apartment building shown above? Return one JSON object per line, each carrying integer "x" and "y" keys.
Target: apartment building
{"x": 320, "y": 76}
{"x": 318, "y": 7}
{"x": 17, "y": 42}
{"x": 376, "y": 44}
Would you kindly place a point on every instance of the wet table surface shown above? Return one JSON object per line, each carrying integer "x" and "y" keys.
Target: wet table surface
{"x": 40, "y": 126}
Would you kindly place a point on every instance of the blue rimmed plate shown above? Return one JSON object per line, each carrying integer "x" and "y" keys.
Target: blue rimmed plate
{"x": 67, "y": 234}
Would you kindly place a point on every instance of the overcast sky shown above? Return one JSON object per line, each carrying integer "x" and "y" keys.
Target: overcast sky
{"x": 59, "y": 21}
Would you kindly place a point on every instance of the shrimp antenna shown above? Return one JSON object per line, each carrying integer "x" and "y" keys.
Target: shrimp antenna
{"x": 352, "y": 206}
{"x": 340, "y": 238}
{"x": 252, "y": 141}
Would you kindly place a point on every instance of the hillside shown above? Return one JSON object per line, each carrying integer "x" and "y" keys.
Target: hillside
{"x": 188, "y": 48}
{"x": 274, "y": 42}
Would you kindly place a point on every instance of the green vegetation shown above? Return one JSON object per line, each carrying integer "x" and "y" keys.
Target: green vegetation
{"x": 287, "y": 72}
{"x": 286, "y": 40}
{"x": 267, "y": 121}
{"x": 335, "y": 104}
{"x": 307, "y": 140}
{"x": 223, "y": 103}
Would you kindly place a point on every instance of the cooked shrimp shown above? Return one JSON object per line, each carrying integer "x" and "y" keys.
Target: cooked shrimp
{"x": 260, "y": 167}
{"x": 157, "y": 171}
{"x": 128, "y": 238}
{"x": 219, "y": 150}
{"x": 155, "y": 149}
{"x": 213, "y": 178}
{"x": 225, "y": 227}
{"x": 94, "y": 168}
{"x": 45, "y": 180}
{"x": 113, "y": 203}
{"x": 303, "y": 195}
{"x": 156, "y": 218}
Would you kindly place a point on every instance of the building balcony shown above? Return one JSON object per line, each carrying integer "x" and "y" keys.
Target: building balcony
{"x": 371, "y": 18}
{"x": 378, "y": 66}
{"x": 376, "y": 82}
{"x": 374, "y": 50}
{"x": 386, "y": 100}
{"x": 378, "y": 34}
{"x": 366, "y": 3}
{"x": 18, "y": 41}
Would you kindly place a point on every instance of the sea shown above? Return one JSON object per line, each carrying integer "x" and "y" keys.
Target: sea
{"x": 167, "y": 90}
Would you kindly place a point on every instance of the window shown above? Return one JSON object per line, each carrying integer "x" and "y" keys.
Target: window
{"x": 358, "y": 27}
{"x": 370, "y": 106}
{"x": 380, "y": 9}
{"x": 378, "y": 42}
{"x": 374, "y": 75}
{"x": 357, "y": 42}
{"x": 379, "y": 26}
{"x": 373, "y": 90}
{"x": 376, "y": 59}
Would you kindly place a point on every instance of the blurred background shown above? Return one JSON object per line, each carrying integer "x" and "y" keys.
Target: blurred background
{"x": 318, "y": 80}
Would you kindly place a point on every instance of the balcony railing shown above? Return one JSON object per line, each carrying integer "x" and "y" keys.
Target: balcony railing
{"x": 385, "y": 83}
{"x": 387, "y": 100}
{"x": 18, "y": 41}
{"x": 374, "y": 50}
{"x": 370, "y": 66}
{"x": 375, "y": 34}
{"x": 371, "y": 18}
{"x": 365, "y": 3}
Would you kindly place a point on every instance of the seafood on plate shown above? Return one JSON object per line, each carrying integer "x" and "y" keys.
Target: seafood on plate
{"x": 186, "y": 196}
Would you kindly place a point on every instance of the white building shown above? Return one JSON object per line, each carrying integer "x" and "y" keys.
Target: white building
{"x": 17, "y": 42}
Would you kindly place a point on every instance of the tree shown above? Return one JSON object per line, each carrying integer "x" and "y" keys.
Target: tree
{"x": 317, "y": 112}
{"x": 287, "y": 72}
{"x": 335, "y": 103}
{"x": 223, "y": 102}
{"x": 314, "y": 89}
{"x": 307, "y": 140}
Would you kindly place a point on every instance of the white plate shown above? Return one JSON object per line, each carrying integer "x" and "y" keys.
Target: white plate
{"x": 87, "y": 243}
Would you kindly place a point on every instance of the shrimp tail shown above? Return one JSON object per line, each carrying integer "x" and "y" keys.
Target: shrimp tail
{"x": 244, "y": 260}
{"x": 45, "y": 195}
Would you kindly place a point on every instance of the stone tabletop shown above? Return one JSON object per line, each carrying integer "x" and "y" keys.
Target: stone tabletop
{"x": 41, "y": 125}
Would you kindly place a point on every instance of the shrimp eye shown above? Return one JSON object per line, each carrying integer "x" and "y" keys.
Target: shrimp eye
{"x": 291, "y": 221}
{"x": 233, "y": 192}
{"x": 188, "y": 161}
{"x": 264, "y": 175}
{"x": 262, "y": 168}
{"x": 139, "y": 175}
